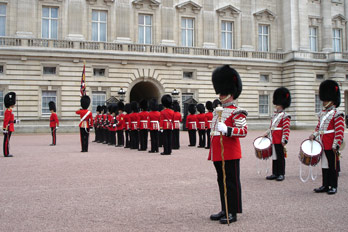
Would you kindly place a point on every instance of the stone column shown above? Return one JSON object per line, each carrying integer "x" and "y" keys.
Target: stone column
{"x": 123, "y": 21}
{"x": 247, "y": 27}
{"x": 25, "y": 17}
{"x": 303, "y": 25}
{"x": 209, "y": 31}
{"x": 291, "y": 25}
{"x": 327, "y": 25}
{"x": 77, "y": 17}
{"x": 167, "y": 27}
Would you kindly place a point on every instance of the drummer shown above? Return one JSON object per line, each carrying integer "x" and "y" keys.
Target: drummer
{"x": 279, "y": 132}
{"x": 330, "y": 132}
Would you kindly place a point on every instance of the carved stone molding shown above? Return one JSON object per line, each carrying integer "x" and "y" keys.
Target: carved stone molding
{"x": 265, "y": 13}
{"x": 152, "y": 4}
{"x": 338, "y": 20}
{"x": 195, "y": 8}
{"x": 229, "y": 9}
{"x": 107, "y": 2}
{"x": 314, "y": 20}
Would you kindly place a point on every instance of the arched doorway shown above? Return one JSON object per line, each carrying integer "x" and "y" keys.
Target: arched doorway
{"x": 144, "y": 90}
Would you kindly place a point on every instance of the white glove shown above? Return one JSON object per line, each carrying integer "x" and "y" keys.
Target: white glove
{"x": 57, "y": 127}
{"x": 222, "y": 127}
{"x": 161, "y": 131}
{"x": 91, "y": 129}
{"x": 114, "y": 125}
{"x": 18, "y": 121}
{"x": 4, "y": 131}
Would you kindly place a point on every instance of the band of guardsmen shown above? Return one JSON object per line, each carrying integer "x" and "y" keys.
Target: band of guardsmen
{"x": 220, "y": 124}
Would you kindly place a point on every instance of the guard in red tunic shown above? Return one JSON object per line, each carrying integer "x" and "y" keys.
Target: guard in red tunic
{"x": 191, "y": 124}
{"x": 54, "y": 122}
{"x": 143, "y": 125}
{"x": 7, "y": 126}
{"x": 279, "y": 132}
{"x": 134, "y": 127}
{"x": 112, "y": 124}
{"x": 209, "y": 118}
{"x": 120, "y": 125}
{"x": 202, "y": 122}
{"x": 330, "y": 132}
{"x": 108, "y": 133}
{"x": 233, "y": 126}
{"x": 166, "y": 124}
{"x": 154, "y": 117}
{"x": 128, "y": 110}
{"x": 176, "y": 128}
{"x": 96, "y": 122}
{"x": 86, "y": 122}
{"x": 103, "y": 121}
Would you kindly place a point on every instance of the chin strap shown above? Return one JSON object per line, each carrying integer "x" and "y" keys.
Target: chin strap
{"x": 328, "y": 105}
{"x": 226, "y": 98}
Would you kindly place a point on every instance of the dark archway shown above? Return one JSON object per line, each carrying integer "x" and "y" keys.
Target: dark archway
{"x": 144, "y": 90}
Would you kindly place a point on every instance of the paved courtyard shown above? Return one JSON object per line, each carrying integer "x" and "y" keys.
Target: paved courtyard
{"x": 45, "y": 188}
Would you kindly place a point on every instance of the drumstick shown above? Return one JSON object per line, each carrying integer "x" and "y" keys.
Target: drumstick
{"x": 260, "y": 140}
{"x": 312, "y": 146}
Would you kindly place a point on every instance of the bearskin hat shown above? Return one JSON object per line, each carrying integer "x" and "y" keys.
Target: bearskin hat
{"x": 110, "y": 108}
{"x": 329, "y": 90}
{"x": 128, "y": 108}
{"x": 10, "y": 99}
{"x": 114, "y": 109}
{"x": 134, "y": 106}
{"x": 282, "y": 97}
{"x": 85, "y": 101}
{"x": 209, "y": 106}
{"x": 216, "y": 103}
{"x": 153, "y": 105}
{"x": 200, "y": 108}
{"x": 120, "y": 105}
{"x": 99, "y": 109}
{"x": 192, "y": 108}
{"x": 144, "y": 105}
{"x": 166, "y": 100}
{"x": 176, "y": 106}
{"x": 52, "y": 106}
{"x": 226, "y": 80}
{"x": 105, "y": 109}
{"x": 160, "y": 107}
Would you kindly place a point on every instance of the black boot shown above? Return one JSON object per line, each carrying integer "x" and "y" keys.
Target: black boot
{"x": 271, "y": 177}
{"x": 231, "y": 218}
{"x": 332, "y": 190}
{"x": 321, "y": 189}
{"x": 218, "y": 216}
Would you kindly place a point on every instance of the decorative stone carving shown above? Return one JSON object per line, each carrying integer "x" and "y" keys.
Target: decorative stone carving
{"x": 265, "y": 13}
{"x": 339, "y": 19}
{"x": 223, "y": 11}
{"x": 314, "y": 20}
{"x": 152, "y": 4}
{"x": 182, "y": 7}
{"x": 107, "y": 2}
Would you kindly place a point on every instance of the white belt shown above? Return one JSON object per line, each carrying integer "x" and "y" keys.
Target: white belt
{"x": 215, "y": 133}
{"x": 134, "y": 122}
{"x": 176, "y": 121}
{"x": 202, "y": 122}
{"x": 276, "y": 128}
{"x": 143, "y": 120}
{"x": 154, "y": 121}
{"x": 165, "y": 120}
{"x": 326, "y": 132}
{"x": 192, "y": 122}
{"x": 127, "y": 122}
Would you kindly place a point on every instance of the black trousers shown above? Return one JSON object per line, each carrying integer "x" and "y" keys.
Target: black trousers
{"x": 127, "y": 134}
{"x": 201, "y": 134}
{"x": 167, "y": 142}
{"x": 154, "y": 140}
{"x": 176, "y": 139}
{"x": 330, "y": 175}
{"x": 278, "y": 166}
{"x": 143, "y": 137}
{"x": 106, "y": 135}
{"x": 160, "y": 139}
{"x": 54, "y": 137}
{"x": 120, "y": 138}
{"x": 112, "y": 137}
{"x": 134, "y": 139}
{"x": 6, "y": 145}
{"x": 192, "y": 137}
{"x": 95, "y": 134}
{"x": 208, "y": 131}
{"x": 84, "y": 135}
{"x": 233, "y": 186}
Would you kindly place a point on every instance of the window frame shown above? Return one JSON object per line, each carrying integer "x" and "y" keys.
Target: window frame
{"x": 44, "y": 114}
{"x": 5, "y": 16}
{"x": 191, "y": 71}
{"x": 2, "y": 104}
{"x": 318, "y": 104}
{"x": 144, "y": 27}
{"x": 94, "y": 93}
{"x": 50, "y": 19}
{"x": 261, "y": 114}
{"x": 186, "y": 29}
{"x": 98, "y": 22}
{"x": 313, "y": 37}
{"x": 261, "y": 49}
{"x": 335, "y": 39}
{"x": 227, "y": 32}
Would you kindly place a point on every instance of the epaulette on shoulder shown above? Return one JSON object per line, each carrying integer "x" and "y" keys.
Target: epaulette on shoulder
{"x": 339, "y": 113}
{"x": 240, "y": 111}
{"x": 286, "y": 115}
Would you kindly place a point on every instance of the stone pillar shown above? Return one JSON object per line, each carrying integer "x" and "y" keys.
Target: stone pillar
{"x": 247, "y": 26}
{"x": 303, "y": 25}
{"x": 123, "y": 21}
{"x": 327, "y": 26}
{"x": 346, "y": 15}
{"x": 26, "y": 12}
{"x": 291, "y": 25}
{"x": 77, "y": 17}
{"x": 167, "y": 27}
{"x": 209, "y": 31}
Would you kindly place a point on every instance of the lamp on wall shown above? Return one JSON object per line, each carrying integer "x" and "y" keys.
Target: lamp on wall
{"x": 175, "y": 94}
{"x": 121, "y": 94}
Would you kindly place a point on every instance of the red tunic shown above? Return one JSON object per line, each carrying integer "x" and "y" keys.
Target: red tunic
{"x": 154, "y": 117}
{"x": 8, "y": 120}
{"x": 209, "y": 117}
{"x": 191, "y": 122}
{"x": 88, "y": 121}
{"x": 280, "y": 128}
{"x": 120, "y": 121}
{"x": 133, "y": 121}
{"x": 126, "y": 122}
{"x": 96, "y": 120}
{"x": 202, "y": 121}
{"x": 143, "y": 120}
{"x": 167, "y": 119}
{"x": 331, "y": 130}
{"x": 177, "y": 120}
{"x": 112, "y": 123}
{"x": 54, "y": 120}
{"x": 235, "y": 120}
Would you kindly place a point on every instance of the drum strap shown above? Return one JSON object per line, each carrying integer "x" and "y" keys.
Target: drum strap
{"x": 325, "y": 117}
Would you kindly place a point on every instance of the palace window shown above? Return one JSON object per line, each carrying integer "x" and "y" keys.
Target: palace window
{"x": 49, "y": 23}
{"x": 318, "y": 104}
{"x": 145, "y": 29}
{"x": 98, "y": 98}
{"x": 2, "y": 19}
{"x": 49, "y": 70}
{"x": 319, "y": 77}
{"x": 336, "y": 40}
{"x": 48, "y": 96}
{"x": 263, "y": 38}
{"x": 263, "y": 105}
{"x": 1, "y": 103}
{"x": 187, "y": 32}
{"x": 188, "y": 75}
{"x": 184, "y": 97}
{"x": 227, "y": 35}
{"x": 1, "y": 69}
{"x": 313, "y": 39}
{"x": 99, "y": 26}
{"x": 99, "y": 72}
{"x": 264, "y": 78}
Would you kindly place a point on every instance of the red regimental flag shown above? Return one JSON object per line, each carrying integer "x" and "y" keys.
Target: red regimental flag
{"x": 83, "y": 82}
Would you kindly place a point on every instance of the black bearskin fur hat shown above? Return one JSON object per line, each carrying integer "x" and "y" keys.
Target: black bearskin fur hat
{"x": 144, "y": 105}
{"x": 52, "y": 106}
{"x": 153, "y": 105}
{"x": 209, "y": 106}
{"x": 167, "y": 100}
{"x": 160, "y": 107}
{"x": 192, "y": 108}
{"x": 114, "y": 108}
{"x": 216, "y": 103}
{"x": 110, "y": 108}
{"x": 104, "y": 109}
{"x": 10, "y": 99}
{"x": 329, "y": 90}
{"x": 120, "y": 105}
{"x": 282, "y": 97}
{"x": 134, "y": 106}
{"x": 99, "y": 109}
{"x": 226, "y": 80}
{"x": 85, "y": 101}
{"x": 200, "y": 108}
{"x": 128, "y": 108}
{"x": 176, "y": 106}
